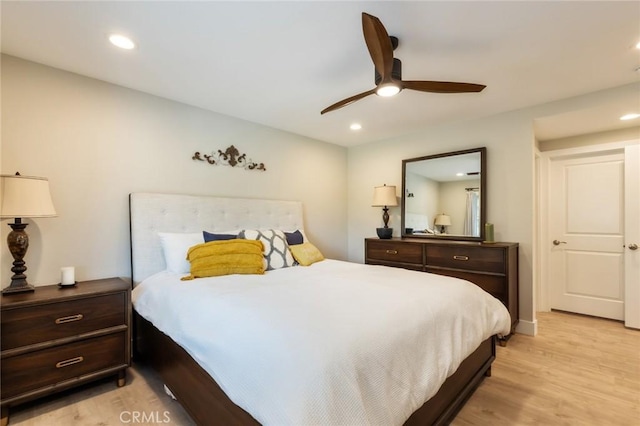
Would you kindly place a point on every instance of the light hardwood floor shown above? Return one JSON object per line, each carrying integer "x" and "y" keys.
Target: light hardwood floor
{"x": 578, "y": 371}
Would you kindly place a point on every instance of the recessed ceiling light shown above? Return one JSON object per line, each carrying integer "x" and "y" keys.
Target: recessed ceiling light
{"x": 638, "y": 45}
{"x": 630, "y": 116}
{"x": 121, "y": 41}
{"x": 355, "y": 126}
{"x": 459, "y": 174}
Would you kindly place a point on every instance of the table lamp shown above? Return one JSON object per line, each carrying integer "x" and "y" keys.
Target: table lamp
{"x": 384, "y": 196}
{"x": 443, "y": 220}
{"x": 22, "y": 197}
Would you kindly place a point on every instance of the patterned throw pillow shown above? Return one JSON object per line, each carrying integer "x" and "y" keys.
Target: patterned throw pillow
{"x": 276, "y": 250}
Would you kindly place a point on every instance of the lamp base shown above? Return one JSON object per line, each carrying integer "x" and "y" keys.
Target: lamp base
{"x": 384, "y": 233}
{"x": 17, "y": 287}
{"x": 18, "y": 242}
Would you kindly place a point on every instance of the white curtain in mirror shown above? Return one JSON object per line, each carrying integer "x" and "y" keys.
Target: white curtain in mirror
{"x": 472, "y": 214}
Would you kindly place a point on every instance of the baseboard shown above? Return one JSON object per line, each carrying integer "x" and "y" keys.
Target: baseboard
{"x": 529, "y": 328}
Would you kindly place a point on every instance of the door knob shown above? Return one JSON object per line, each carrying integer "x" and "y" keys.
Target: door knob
{"x": 633, "y": 246}
{"x": 557, "y": 242}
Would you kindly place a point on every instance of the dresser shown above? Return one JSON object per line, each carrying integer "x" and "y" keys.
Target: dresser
{"x": 56, "y": 338}
{"x": 493, "y": 267}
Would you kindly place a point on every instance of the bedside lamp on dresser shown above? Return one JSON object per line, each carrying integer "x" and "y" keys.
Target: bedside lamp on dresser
{"x": 385, "y": 197}
{"x": 22, "y": 197}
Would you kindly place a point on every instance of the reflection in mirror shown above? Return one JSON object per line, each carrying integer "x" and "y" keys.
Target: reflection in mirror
{"x": 444, "y": 195}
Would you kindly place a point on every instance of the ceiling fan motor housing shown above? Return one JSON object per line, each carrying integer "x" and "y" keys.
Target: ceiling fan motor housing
{"x": 396, "y": 71}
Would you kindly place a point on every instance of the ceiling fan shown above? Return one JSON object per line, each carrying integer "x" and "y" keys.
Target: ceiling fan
{"x": 388, "y": 70}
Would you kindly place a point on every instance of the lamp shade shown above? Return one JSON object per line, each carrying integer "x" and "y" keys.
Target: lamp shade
{"x": 384, "y": 196}
{"x": 443, "y": 220}
{"x": 25, "y": 196}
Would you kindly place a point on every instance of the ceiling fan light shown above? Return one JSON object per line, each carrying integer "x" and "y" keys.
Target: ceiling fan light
{"x": 388, "y": 90}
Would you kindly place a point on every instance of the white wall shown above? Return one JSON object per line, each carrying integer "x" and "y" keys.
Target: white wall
{"x": 611, "y": 136}
{"x": 97, "y": 142}
{"x": 510, "y": 143}
{"x": 421, "y": 209}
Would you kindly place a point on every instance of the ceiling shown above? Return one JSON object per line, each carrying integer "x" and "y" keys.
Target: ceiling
{"x": 451, "y": 168}
{"x": 280, "y": 63}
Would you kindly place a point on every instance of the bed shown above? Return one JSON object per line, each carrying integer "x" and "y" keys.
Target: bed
{"x": 268, "y": 338}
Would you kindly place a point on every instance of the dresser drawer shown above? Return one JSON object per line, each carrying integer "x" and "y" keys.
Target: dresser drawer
{"x": 392, "y": 251}
{"x": 48, "y": 367}
{"x": 51, "y": 321}
{"x": 469, "y": 258}
{"x": 492, "y": 284}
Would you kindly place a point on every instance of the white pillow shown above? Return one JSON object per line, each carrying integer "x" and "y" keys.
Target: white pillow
{"x": 276, "y": 250}
{"x": 175, "y": 247}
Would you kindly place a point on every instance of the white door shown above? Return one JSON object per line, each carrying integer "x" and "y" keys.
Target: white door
{"x": 586, "y": 229}
{"x": 632, "y": 233}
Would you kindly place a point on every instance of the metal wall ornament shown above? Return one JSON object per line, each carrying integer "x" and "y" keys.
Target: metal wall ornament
{"x": 229, "y": 157}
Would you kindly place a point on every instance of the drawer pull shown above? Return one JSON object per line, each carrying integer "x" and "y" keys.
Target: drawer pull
{"x": 392, "y": 251}
{"x": 70, "y": 361}
{"x": 461, "y": 257}
{"x": 70, "y": 318}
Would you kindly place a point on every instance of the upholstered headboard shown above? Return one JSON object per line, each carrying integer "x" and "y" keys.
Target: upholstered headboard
{"x": 152, "y": 213}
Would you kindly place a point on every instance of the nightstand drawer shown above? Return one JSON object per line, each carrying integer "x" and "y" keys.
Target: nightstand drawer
{"x": 51, "y": 366}
{"x": 51, "y": 321}
{"x": 394, "y": 252}
{"x": 469, "y": 258}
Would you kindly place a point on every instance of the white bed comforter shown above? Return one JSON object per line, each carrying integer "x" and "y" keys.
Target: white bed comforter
{"x": 335, "y": 343}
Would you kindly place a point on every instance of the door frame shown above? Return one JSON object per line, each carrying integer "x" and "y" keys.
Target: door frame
{"x": 543, "y": 237}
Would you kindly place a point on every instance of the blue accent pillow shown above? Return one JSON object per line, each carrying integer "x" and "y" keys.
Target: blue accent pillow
{"x": 208, "y": 236}
{"x": 293, "y": 238}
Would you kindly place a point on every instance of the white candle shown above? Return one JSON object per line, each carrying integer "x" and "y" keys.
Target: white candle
{"x": 68, "y": 275}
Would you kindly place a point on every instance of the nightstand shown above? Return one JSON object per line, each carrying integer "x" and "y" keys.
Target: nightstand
{"x": 57, "y": 338}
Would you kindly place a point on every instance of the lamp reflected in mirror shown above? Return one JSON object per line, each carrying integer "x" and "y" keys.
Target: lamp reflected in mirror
{"x": 442, "y": 220}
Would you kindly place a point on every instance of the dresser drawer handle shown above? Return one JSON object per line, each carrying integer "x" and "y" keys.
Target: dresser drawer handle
{"x": 70, "y": 361}
{"x": 461, "y": 257}
{"x": 70, "y": 318}
{"x": 392, "y": 251}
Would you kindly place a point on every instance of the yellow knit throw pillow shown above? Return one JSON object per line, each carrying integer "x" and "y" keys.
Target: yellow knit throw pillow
{"x": 306, "y": 254}
{"x": 227, "y": 257}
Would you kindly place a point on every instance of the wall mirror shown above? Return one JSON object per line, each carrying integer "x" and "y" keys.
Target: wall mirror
{"x": 444, "y": 195}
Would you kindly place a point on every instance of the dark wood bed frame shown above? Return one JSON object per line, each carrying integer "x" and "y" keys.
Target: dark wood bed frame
{"x": 207, "y": 404}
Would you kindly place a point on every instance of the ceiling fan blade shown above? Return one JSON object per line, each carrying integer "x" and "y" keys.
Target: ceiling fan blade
{"x": 442, "y": 86}
{"x": 379, "y": 45}
{"x": 348, "y": 101}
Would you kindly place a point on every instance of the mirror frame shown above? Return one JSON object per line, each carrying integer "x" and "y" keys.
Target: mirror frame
{"x": 483, "y": 192}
